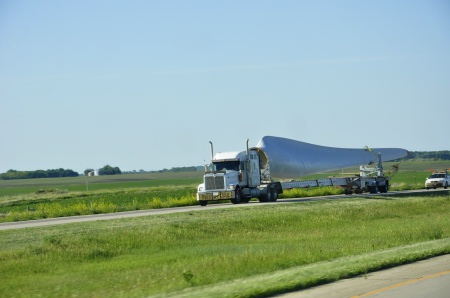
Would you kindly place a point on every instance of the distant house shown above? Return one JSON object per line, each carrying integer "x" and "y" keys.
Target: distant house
{"x": 94, "y": 173}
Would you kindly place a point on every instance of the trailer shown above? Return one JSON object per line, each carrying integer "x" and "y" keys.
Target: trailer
{"x": 242, "y": 175}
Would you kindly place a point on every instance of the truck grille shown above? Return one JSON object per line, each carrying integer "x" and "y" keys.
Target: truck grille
{"x": 214, "y": 182}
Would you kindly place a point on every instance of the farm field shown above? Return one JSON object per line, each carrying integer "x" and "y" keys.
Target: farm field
{"x": 237, "y": 252}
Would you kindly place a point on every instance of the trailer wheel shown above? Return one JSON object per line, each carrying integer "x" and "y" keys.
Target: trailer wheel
{"x": 372, "y": 189}
{"x": 203, "y": 203}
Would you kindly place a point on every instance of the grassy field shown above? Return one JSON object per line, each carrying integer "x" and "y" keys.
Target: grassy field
{"x": 94, "y": 183}
{"x": 245, "y": 252}
{"x": 255, "y": 251}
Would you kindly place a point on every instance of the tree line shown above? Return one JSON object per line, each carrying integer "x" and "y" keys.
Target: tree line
{"x": 436, "y": 155}
{"x": 55, "y": 173}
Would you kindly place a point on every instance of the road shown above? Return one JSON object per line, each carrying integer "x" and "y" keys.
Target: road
{"x": 95, "y": 217}
{"x": 427, "y": 278}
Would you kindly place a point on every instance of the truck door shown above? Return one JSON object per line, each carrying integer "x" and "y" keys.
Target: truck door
{"x": 254, "y": 178}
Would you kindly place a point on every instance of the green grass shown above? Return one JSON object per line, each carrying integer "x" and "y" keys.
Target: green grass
{"x": 238, "y": 252}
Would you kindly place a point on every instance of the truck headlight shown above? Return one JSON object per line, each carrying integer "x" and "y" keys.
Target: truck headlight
{"x": 231, "y": 186}
{"x": 200, "y": 188}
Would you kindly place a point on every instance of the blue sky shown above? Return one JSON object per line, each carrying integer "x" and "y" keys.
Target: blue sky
{"x": 146, "y": 84}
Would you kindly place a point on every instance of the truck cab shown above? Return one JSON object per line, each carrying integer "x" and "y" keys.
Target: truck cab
{"x": 238, "y": 176}
{"x": 224, "y": 177}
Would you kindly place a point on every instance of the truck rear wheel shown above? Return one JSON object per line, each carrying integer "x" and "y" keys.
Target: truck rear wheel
{"x": 269, "y": 194}
{"x": 203, "y": 203}
{"x": 274, "y": 194}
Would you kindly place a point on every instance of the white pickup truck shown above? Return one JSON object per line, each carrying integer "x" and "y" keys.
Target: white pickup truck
{"x": 438, "y": 179}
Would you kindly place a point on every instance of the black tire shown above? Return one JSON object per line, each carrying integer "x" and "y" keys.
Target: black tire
{"x": 237, "y": 196}
{"x": 445, "y": 185}
{"x": 274, "y": 194}
{"x": 382, "y": 188}
{"x": 269, "y": 195}
{"x": 203, "y": 203}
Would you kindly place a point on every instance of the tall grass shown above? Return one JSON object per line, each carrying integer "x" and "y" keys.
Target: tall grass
{"x": 144, "y": 256}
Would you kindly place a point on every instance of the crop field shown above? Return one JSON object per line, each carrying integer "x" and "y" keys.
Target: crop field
{"x": 240, "y": 252}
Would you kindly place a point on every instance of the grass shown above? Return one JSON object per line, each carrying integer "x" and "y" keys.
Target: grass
{"x": 51, "y": 203}
{"x": 236, "y": 252}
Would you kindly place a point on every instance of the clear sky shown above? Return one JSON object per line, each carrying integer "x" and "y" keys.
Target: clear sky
{"x": 146, "y": 84}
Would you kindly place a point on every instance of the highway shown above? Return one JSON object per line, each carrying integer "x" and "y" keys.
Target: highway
{"x": 427, "y": 278}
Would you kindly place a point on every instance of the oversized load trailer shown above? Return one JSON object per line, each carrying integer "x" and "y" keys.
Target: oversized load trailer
{"x": 242, "y": 175}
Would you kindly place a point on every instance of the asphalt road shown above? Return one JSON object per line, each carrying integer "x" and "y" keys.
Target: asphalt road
{"x": 428, "y": 278}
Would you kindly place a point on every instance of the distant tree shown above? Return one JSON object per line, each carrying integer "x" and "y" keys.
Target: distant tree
{"x": 108, "y": 170}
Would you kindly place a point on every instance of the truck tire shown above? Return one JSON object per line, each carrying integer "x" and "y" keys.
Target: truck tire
{"x": 445, "y": 185}
{"x": 372, "y": 189}
{"x": 267, "y": 196}
{"x": 203, "y": 203}
{"x": 274, "y": 194}
{"x": 383, "y": 188}
{"x": 237, "y": 196}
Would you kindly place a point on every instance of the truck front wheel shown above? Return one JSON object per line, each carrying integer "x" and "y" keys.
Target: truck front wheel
{"x": 237, "y": 196}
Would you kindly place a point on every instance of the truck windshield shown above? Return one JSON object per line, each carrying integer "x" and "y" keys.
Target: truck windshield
{"x": 227, "y": 165}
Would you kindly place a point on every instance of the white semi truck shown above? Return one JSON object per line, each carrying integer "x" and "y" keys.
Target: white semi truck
{"x": 242, "y": 175}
